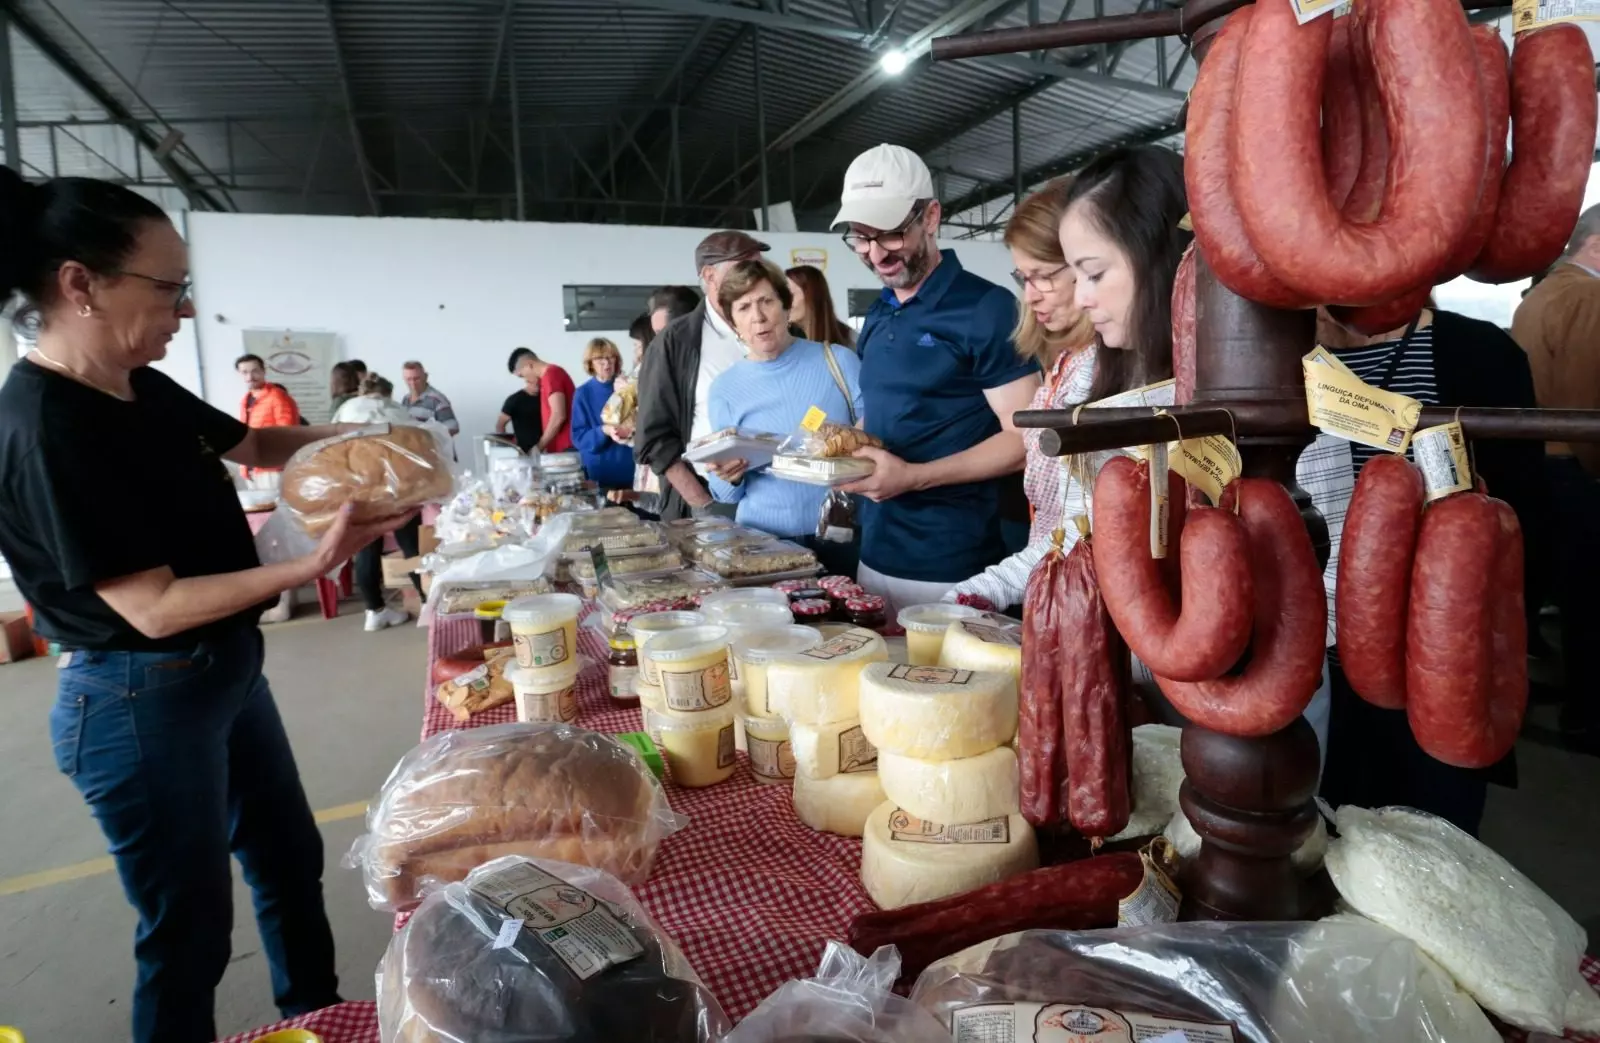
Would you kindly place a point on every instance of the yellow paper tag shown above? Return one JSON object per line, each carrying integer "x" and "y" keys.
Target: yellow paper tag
{"x": 1210, "y": 463}
{"x": 1342, "y": 404}
{"x": 1186, "y": 223}
{"x": 813, "y": 420}
{"x": 1441, "y": 453}
{"x": 1305, "y": 10}
{"x": 1527, "y": 15}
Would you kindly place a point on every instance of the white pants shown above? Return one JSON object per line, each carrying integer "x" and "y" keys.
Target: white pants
{"x": 900, "y": 593}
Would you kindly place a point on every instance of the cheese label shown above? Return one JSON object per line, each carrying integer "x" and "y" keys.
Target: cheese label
{"x": 1342, "y": 404}
{"x": 1011, "y": 637}
{"x": 704, "y": 689}
{"x": 546, "y": 649}
{"x": 1075, "y": 1023}
{"x": 842, "y": 645}
{"x": 770, "y": 758}
{"x": 907, "y": 828}
{"x": 813, "y": 420}
{"x": 856, "y": 752}
{"x": 1441, "y": 453}
{"x": 725, "y": 746}
{"x": 579, "y": 929}
{"x": 559, "y": 706}
{"x": 930, "y": 674}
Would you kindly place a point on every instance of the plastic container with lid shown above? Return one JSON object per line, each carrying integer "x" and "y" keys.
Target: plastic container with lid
{"x": 699, "y": 544}
{"x": 544, "y": 628}
{"x": 489, "y": 622}
{"x": 748, "y": 613}
{"x": 630, "y": 592}
{"x": 547, "y": 694}
{"x": 742, "y": 596}
{"x": 754, "y": 649}
{"x": 867, "y": 610}
{"x": 771, "y": 756}
{"x": 774, "y": 559}
{"x": 925, "y": 626}
{"x": 648, "y": 625}
{"x": 699, "y": 750}
{"x": 820, "y": 470}
{"x": 693, "y": 666}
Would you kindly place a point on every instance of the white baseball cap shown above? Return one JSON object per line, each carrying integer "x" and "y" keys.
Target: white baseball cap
{"x": 881, "y": 187}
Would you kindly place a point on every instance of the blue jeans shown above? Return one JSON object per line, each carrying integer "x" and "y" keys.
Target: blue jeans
{"x": 182, "y": 758}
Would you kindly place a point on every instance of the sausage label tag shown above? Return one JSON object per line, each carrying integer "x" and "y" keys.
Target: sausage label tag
{"x": 1342, "y": 404}
{"x": 1157, "y": 898}
{"x": 1076, "y": 1023}
{"x": 1441, "y": 453}
{"x": 1527, "y": 15}
{"x": 1210, "y": 463}
{"x": 1157, "y": 457}
{"x": 1305, "y": 10}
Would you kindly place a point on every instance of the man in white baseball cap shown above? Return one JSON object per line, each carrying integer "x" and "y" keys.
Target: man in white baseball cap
{"x": 940, "y": 380}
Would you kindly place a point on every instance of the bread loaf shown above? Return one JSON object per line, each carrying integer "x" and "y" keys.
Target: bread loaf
{"x": 382, "y": 474}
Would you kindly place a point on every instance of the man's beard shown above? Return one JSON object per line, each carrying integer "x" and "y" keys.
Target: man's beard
{"x": 914, "y": 266}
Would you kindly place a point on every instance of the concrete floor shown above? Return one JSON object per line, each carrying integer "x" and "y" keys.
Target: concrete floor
{"x": 350, "y": 701}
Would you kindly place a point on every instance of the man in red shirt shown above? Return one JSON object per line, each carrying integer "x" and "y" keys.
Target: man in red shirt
{"x": 554, "y": 388}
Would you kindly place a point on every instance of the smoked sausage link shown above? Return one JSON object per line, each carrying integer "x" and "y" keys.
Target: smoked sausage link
{"x": 1552, "y": 148}
{"x": 1424, "y": 66}
{"x": 1039, "y": 757}
{"x": 1183, "y": 316}
{"x": 1341, "y": 114}
{"x": 1291, "y": 621}
{"x": 1207, "y": 179}
{"x": 1366, "y": 193}
{"x": 1467, "y": 638}
{"x": 1094, "y": 685}
{"x": 1374, "y": 578}
{"x": 1211, "y": 631}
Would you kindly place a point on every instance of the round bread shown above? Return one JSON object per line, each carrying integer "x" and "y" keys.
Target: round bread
{"x": 382, "y": 474}
{"x": 540, "y": 790}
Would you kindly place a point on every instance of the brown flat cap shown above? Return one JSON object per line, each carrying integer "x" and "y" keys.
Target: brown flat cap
{"x": 727, "y": 246}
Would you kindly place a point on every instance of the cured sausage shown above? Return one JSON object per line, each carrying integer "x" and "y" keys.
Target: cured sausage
{"x": 1377, "y": 319}
{"x": 1424, "y": 68}
{"x": 1094, "y": 684}
{"x": 1373, "y": 585}
{"x": 1039, "y": 758}
{"x": 1552, "y": 148}
{"x": 1341, "y": 114}
{"x": 1366, "y": 192}
{"x": 1183, "y": 316}
{"x": 1073, "y": 896}
{"x": 1209, "y": 633}
{"x": 1208, "y": 182}
{"x": 1291, "y": 620}
{"x": 1467, "y": 637}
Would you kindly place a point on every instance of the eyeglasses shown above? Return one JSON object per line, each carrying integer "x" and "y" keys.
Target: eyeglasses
{"x": 180, "y": 290}
{"x": 893, "y": 239}
{"x": 1043, "y": 282}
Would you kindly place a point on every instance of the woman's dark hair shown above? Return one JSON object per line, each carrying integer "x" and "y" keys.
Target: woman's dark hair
{"x": 64, "y": 219}
{"x": 822, "y": 322}
{"x": 678, "y": 300}
{"x": 342, "y": 379}
{"x": 641, "y": 330}
{"x": 359, "y": 366}
{"x": 1135, "y": 198}
{"x": 516, "y": 359}
{"x": 373, "y": 384}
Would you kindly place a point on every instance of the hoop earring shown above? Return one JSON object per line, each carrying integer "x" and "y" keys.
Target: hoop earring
{"x": 85, "y": 311}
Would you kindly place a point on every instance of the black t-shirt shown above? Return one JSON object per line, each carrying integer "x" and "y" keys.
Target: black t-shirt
{"x": 93, "y": 488}
{"x": 527, "y": 422}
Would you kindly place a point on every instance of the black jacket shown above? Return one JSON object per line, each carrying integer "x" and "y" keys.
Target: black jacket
{"x": 666, "y": 402}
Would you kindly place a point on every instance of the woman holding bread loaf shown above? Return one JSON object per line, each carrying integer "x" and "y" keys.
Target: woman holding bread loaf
{"x": 163, "y": 719}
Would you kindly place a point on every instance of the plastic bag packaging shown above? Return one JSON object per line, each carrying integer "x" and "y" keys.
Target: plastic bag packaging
{"x": 525, "y": 562}
{"x": 827, "y": 440}
{"x": 513, "y": 479}
{"x": 1157, "y": 777}
{"x": 836, "y": 518}
{"x": 528, "y": 950}
{"x": 1506, "y": 941}
{"x": 384, "y": 469}
{"x": 533, "y": 789}
{"x": 1274, "y": 982}
{"x": 850, "y": 1000}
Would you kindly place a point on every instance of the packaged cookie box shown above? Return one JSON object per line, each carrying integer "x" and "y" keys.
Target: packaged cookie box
{"x": 820, "y": 470}
{"x": 633, "y": 561}
{"x": 761, "y": 563}
{"x": 697, "y": 547}
{"x": 614, "y": 539}
{"x": 734, "y": 443}
{"x": 628, "y": 592}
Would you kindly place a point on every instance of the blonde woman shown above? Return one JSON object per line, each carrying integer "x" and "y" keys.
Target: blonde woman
{"x": 605, "y": 458}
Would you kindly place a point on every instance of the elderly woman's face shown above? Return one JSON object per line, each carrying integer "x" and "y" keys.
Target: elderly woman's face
{"x": 760, "y": 320}
{"x": 142, "y": 313}
{"x": 605, "y": 367}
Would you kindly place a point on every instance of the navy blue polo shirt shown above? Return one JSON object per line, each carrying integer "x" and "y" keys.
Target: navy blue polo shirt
{"x": 925, "y": 365}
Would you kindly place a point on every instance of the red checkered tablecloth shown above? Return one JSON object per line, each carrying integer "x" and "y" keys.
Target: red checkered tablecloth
{"x": 344, "y": 1023}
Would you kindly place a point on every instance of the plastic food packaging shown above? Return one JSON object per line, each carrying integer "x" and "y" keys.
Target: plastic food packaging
{"x": 624, "y": 592}
{"x": 645, "y": 626}
{"x": 816, "y": 470}
{"x": 678, "y": 528}
{"x": 727, "y": 604}
{"x": 1506, "y": 941}
{"x": 1157, "y": 777}
{"x": 627, "y": 561}
{"x": 734, "y": 443}
{"x": 699, "y": 748}
{"x": 754, "y": 649}
{"x": 482, "y": 687}
{"x": 699, "y": 545}
{"x": 615, "y": 538}
{"x": 771, "y": 753}
{"x": 925, "y": 626}
{"x": 544, "y": 628}
{"x": 778, "y": 559}
{"x": 529, "y": 949}
{"x": 1271, "y": 982}
{"x": 381, "y": 470}
{"x": 552, "y": 463}
{"x": 463, "y": 599}
{"x": 829, "y": 440}
{"x": 692, "y": 664}
{"x": 549, "y": 693}
{"x": 609, "y": 519}
{"x": 850, "y": 1000}
{"x": 539, "y": 790}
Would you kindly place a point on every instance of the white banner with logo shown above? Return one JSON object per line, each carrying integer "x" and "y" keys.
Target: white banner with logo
{"x": 299, "y": 360}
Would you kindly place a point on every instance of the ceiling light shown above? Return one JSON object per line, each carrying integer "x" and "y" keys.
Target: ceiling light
{"x": 894, "y": 62}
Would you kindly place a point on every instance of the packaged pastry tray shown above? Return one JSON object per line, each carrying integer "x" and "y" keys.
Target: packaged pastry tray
{"x": 766, "y": 562}
{"x": 645, "y": 535}
{"x": 820, "y": 470}
{"x": 629, "y": 592}
{"x": 606, "y": 519}
{"x": 461, "y": 599}
{"x": 734, "y": 443}
{"x": 698, "y": 547}
{"x": 629, "y": 561}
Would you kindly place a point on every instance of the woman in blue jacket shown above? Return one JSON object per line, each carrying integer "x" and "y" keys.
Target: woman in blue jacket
{"x": 606, "y": 459}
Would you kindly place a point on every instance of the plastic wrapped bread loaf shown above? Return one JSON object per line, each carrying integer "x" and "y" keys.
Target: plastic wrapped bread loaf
{"x": 383, "y": 471}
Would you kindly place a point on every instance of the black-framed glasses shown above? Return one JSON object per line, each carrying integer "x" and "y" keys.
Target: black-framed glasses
{"x": 1043, "y": 282}
{"x": 180, "y": 290}
{"x": 893, "y": 239}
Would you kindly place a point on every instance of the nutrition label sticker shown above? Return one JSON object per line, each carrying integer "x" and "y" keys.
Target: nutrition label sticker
{"x": 578, "y": 928}
{"x": 544, "y": 649}
{"x": 771, "y": 758}
{"x": 1072, "y": 1023}
{"x": 908, "y": 828}
{"x": 1441, "y": 454}
{"x": 703, "y": 689}
{"x": 1527, "y": 15}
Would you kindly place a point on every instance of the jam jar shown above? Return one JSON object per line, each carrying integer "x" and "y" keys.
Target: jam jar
{"x": 867, "y": 610}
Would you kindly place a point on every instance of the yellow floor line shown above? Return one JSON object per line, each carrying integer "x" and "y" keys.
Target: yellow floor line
{"x": 97, "y": 866}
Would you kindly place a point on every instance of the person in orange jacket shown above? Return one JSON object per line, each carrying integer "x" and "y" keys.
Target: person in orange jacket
{"x": 264, "y": 404}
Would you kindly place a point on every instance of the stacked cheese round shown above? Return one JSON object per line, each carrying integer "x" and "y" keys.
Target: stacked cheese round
{"x": 906, "y": 860}
{"x": 818, "y": 692}
{"x": 986, "y": 642}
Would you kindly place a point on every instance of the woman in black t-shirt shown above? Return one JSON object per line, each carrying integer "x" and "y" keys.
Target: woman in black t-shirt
{"x": 123, "y": 531}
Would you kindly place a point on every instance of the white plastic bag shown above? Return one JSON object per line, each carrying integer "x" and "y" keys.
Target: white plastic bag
{"x": 1506, "y": 941}
{"x": 851, "y": 998}
{"x": 512, "y": 562}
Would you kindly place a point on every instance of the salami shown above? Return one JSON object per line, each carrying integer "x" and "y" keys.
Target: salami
{"x": 1366, "y": 192}
{"x": 1210, "y": 631}
{"x": 1183, "y": 339}
{"x": 1094, "y": 685}
{"x": 1207, "y": 179}
{"x": 1373, "y": 586}
{"x": 1424, "y": 67}
{"x": 1552, "y": 149}
{"x": 1291, "y": 619}
{"x": 1074, "y": 896}
{"x": 1341, "y": 114}
{"x": 1039, "y": 731}
{"x": 1467, "y": 637}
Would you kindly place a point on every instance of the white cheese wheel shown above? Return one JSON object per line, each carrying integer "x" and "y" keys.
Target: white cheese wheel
{"x": 837, "y": 805}
{"x": 983, "y": 644}
{"x": 905, "y": 860}
{"x": 937, "y": 713}
{"x": 969, "y": 789}
{"x": 825, "y": 750}
{"x": 820, "y": 685}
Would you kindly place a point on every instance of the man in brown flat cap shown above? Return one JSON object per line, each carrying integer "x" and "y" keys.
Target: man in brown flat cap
{"x": 678, "y": 370}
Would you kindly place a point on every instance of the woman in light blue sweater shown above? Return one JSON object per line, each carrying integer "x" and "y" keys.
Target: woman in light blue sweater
{"x": 771, "y": 390}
